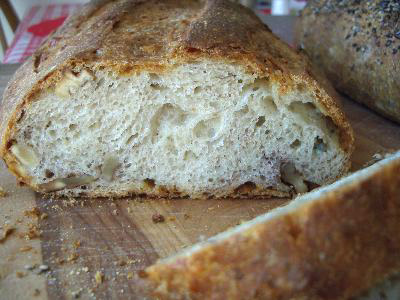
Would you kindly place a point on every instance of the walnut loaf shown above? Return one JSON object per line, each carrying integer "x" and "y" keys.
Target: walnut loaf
{"x": 332, "y": 243}
{"x": 357, "y": 44}
{"x": 171, "y": 98}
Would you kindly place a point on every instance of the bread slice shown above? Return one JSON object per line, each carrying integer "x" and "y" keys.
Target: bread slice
{"x": 331, "y": 243}
{"x": 171, "y": 98}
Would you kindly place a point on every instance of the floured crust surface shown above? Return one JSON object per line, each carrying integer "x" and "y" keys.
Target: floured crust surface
{"x": 132, "y": 36}
{"x": 330, "y": 244}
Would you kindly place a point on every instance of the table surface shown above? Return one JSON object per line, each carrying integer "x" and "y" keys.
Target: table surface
{"x": 77, "y": 238}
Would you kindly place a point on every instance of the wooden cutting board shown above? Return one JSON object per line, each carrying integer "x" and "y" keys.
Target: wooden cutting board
{"x": 56, "y": 247}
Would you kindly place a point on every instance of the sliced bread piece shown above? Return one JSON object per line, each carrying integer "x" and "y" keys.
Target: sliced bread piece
{"x": 332, "y": 243}
{"x": 171, "y": 98}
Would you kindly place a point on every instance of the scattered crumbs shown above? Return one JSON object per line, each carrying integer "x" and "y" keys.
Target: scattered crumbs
{"x": 91, "y": 293}
{"x": 377, "y": 157}
{"x": 99, "y": 276}
{"x": 2, "y": 192}
{"x": 34, "y": 212}
{"x": 60, "y": 260}
{"x": 43, "y": 216}
{"x": 121, "y": 263}
{"x": 33, "y": 232}
{"x": 43, "y": 268}
{"x": 133, "y": 261}
{"x": 25, "y": 248}
{"x": 76, "y": 294}
{"x": 115, "y": 212}
{"x": 7, "y": 231}
{"x": 186, "y": 216}
{"x": 158, "y": 218}
{"x": 76, "y": 244}
{"x": 85, "y": 269}
{"x": 72, "y": 257}
{"x": 20, "y": 274}
{"x": 171, "y": 218}
{"x": 211, "y": 208}
{"x": 129, "y": 275}
{"x": 29, "y": 267}
{"x": 36, "y": 292}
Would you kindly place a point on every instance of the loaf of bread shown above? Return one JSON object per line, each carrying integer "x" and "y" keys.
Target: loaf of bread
{"x": 332, "y": 243}
{"x": 357, "y": 45}
{"x": 171, "y": 98}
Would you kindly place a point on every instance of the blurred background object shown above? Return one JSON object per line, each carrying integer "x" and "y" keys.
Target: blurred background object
{"x": 24, "y": 24}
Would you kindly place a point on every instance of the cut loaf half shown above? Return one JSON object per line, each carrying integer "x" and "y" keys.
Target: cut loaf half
{"x": 332, "y": 243}
{"x": 171, "y": 98}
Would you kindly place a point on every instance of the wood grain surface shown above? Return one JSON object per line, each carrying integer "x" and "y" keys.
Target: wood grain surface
{"x": 58, "y": 246}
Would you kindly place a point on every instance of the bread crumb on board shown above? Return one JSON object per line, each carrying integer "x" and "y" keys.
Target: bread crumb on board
{"x": 3, "y": 193}
{"x": 378, "y": 156}
{"x": 25, "y": 248}
{"x": 99, "y": 277}
{"x": 35, "y": 213}
{"x": 7, "y": 231}
{"x": 158, "y": 218}
{"x": 20, "y": 274}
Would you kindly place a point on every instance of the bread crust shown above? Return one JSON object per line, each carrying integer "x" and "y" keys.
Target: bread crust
{"x": 333, "y": 247}
{"x": 357, "y": 45}
{"x": 109, "y": 34}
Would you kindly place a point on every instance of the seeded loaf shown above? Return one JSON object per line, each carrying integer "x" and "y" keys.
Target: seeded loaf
{"x": 332, "y": 243}
{"x": 357, "y": 45}
{"x": 172, "y": 99}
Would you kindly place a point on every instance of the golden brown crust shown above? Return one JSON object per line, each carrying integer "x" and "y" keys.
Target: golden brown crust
{"x": 333, "y": 247}
{"x": 357, "y": 44}
{"x": 130, "y": 36}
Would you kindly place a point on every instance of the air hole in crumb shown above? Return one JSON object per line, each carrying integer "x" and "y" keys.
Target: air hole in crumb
{"x": 319, "y": 145}
{"x": 207, "y": 128}
{"x": 197, "y": 90}
{"x": 260, "y": 121}
{"x": 189, "y": 155}
{"x": 52, "y": 133}
{"x": 72, "y": 126}
{"x": 240, "y": 81}
{"x": 267, "y": 132}
{"x": 154, "y": 77}
{"x": 48, "y": 173}
{"x": 269, "y": 104}
{"x": 149, "y": 183}
{"x": 246, "y": 188}
{"x": 301, "y": 87}
{"x": 100, "y": 83}
{"x": 296, "y": 144}
{"x": 95, "y": 125}
{"x": 157, "y": 87}
{"x": 210, "y": 180}
{"x": 131, "y": 138}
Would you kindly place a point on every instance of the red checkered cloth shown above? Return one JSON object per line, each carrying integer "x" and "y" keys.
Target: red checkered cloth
{"x": 34, "y": 28}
